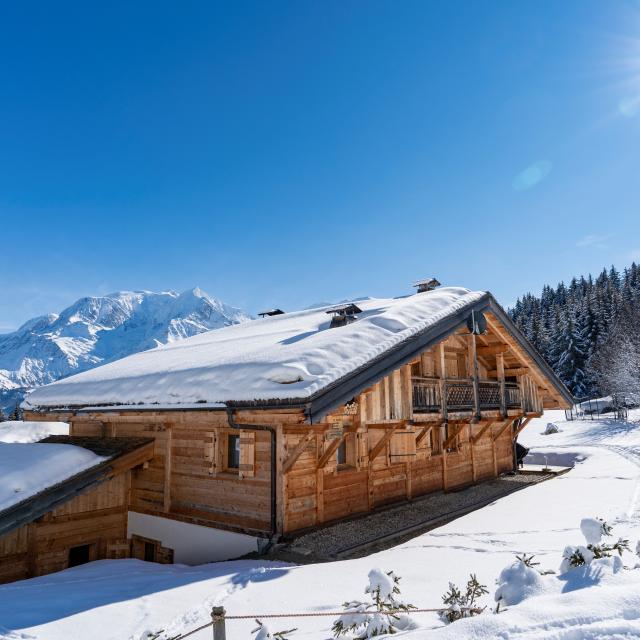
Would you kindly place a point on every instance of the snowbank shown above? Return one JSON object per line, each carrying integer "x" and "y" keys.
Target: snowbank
{"x": 27, "y": 469}
{"x": 19, "y": 431}
{"x": 288, "y": 356}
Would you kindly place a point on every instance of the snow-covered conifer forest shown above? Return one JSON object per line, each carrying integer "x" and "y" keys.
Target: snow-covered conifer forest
{"x": 588, "y": 331}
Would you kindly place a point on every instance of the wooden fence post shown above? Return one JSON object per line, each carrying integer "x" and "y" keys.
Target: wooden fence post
{"x": 217, "y": 615}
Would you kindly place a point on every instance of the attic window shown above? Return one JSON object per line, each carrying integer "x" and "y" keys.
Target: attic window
{"x": 343, "y": 314}
{"x": 426, "y": 285}
{"x": 271, "y": 312}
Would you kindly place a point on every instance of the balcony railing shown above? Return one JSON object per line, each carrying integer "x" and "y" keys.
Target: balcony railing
{"x": 460, "y": 395}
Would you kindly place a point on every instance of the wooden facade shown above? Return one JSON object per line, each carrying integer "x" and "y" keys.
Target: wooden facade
{"x": 444, "y": 419}
{"x": 82, "y": 525}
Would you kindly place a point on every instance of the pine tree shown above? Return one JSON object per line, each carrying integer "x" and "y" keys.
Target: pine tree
{"x": 569, "y": 354}
{"x": 16, "y": 414}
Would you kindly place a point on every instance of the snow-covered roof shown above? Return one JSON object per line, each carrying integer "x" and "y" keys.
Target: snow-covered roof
{"x": 28, "y": 469}
{"x": 279, "y": 358}
{"x": 25, "y": 431}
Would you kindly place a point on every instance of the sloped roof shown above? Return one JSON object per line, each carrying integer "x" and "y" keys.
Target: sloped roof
{"x": 64, "y": 467}
{"x": 289, "y": 358}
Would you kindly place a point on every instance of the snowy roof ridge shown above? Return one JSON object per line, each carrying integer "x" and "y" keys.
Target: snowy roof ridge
{"x": 288, "y": 358}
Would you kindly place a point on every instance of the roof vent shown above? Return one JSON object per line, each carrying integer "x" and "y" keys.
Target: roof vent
{"x": 343, "y": 314}
{"x": 271, "y": 312}
{"x": 426, "y": 285}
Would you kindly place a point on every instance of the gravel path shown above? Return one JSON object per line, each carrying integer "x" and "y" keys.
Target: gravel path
{"x": 388, "y": 527}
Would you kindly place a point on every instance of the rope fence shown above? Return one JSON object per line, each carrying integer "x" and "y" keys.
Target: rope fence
{"x": 219, "y": 616}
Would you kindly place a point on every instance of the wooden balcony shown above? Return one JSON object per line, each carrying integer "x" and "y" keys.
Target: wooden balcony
{"x": 427, "y": 395}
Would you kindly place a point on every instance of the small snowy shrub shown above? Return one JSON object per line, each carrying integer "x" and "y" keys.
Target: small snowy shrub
{"x": 378, "y": 617}
{"x": 264, "y": 633}
{"x": 593, "y": 530}
{"x": 463, "y": 605}
{"x": 550, "y": 428}
{"x": 518, "y": 581}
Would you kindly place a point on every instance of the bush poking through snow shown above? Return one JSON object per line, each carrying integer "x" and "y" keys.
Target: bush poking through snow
{"x": 518, "y": 581}
{"x": 369, "y": 619}
{"x": 264, "y": 633}
{"x": 593, "y": 530}
{"x": 463, "y": 605}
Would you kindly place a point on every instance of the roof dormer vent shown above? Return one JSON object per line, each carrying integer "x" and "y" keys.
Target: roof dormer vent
{"x": 343, "y": 314}
{"x": 271, "y": 312}
{"x": 426, "y": 285}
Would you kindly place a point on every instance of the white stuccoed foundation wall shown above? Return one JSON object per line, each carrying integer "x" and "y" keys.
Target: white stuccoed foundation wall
{"x": 191, "y": 543}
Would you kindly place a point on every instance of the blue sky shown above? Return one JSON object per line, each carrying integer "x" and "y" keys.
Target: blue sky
{"x": 283, "y": 153}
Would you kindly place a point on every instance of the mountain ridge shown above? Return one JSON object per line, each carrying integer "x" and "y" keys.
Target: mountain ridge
{"x": 95, "y": 330}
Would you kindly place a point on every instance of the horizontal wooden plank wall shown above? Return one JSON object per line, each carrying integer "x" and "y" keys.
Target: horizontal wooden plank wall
{"x": 95, "y": 518}
{"x": 186, "y": 479}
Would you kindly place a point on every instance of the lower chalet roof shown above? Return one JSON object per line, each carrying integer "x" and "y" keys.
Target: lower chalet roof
{"x": 289, "y": 359}
{"x": 39, "y": 477}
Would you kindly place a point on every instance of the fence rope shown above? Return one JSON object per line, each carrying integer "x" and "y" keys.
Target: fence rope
{"x": 317, "y": 614}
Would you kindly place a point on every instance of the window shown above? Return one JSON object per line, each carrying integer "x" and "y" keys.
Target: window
{"x": 341, "y": 453}
{"x": 79, "y": 555}
{"x": 233, "y": 451}
{"x": 149, "y": 552}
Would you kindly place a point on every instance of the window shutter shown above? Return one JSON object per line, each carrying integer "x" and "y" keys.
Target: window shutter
{"x": 211, "y": 451}
{"x": 362, "y": 450}
{"x": 403, "y": 446}
{"x": 247, "y": 454}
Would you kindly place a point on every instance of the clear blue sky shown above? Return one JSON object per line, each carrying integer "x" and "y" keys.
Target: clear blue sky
{"x": 282, "y": 153}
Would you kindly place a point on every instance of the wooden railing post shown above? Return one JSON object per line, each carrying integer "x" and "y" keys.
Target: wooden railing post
{"x": 473, "y": 374}
{"x": 503, "y": 393}
{"x": 217, "y": 616}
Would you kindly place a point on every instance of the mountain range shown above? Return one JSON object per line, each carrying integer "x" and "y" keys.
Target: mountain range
{"x": 96, "y": 330}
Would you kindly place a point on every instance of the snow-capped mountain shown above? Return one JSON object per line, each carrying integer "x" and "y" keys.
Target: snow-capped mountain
{"x": 95, "y": 330}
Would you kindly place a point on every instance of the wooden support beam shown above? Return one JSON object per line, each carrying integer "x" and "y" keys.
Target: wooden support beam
{"x": 492, "y": 350}
{"x": 503, "y": 391}
{"x": 472, "y": 372}
{"x": 503, "y": 335}
{"x": 167, "y": 472}
{"x": 452, "y": 437}
{"x": 331, "y": 449}
{"x": 518, "y": 371}
{"x": 482, "y": 431}
{"x": 382, "y": 443}
{"x": 423, "y": 434}
{"x": 473, "y": 460}
{"x": 502, "y": 429}
{"x": 441, "y": 368}
{"x": 297, "y": 451}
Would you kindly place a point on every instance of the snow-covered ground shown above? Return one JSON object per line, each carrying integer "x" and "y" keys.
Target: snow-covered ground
{"x": 124, "y": 599}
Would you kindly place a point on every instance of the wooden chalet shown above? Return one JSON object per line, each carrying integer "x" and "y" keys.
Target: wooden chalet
{"x": 258, "y": 435}
{"x": 80, "y": 519}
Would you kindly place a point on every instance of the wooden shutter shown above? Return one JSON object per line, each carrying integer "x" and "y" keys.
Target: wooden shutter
{"x": 247, "y": 454}
{"x": 212, "y": 452}
{"x": 362, "y": 450}
{"x": 403, "y": 446}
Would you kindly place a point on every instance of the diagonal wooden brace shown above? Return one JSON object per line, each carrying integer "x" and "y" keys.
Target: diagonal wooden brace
{"x": 502, "y": 429}
{"x": 297, "y": 451}
{"x": 382, "y": 443}
{"x": 453, "y": 436}
{"x": 482, "y": 431}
